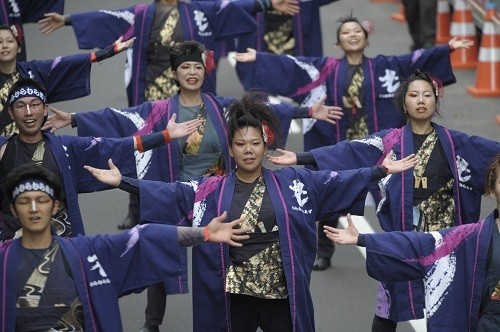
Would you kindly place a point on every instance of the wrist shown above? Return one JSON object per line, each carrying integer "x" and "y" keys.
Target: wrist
{"x": 206, "y": 234}
{"x": 73, "y": 120}
{"x": 452, "y": 48}
{"x": 310, "y": 111}
{"x": 67, "y": 20}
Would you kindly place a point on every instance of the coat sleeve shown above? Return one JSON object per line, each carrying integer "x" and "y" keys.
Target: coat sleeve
{"x": 339, "y": 192}
{"x": 141, "y": 256}
{"x": 350, "y": 154}
{"x": 111, "y": 122}
{"x": 435, "y": 61}
{"x": 475, "y": 156}
{"x": 393, "y": 256}
{"x": 64, "y": 78}
{"x": 280, "y": 74}
{"x": 95, "y": 152}
{"x": 33, "y": 10}
{"x": 101, "y": 28}
{"x": 167, "y": 203}
{"x": 228, "y": 19}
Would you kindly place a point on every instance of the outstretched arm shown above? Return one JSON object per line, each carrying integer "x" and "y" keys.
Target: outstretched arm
{"x": 118, "y": 46}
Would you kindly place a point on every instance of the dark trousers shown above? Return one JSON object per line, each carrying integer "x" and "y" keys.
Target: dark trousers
{"x": 155, "y": 308}
{"x": 421, "y": 18}
{"x": 326, "y": 248}
{"x": 249, "y": 313}
{"x": 383, "y": 324}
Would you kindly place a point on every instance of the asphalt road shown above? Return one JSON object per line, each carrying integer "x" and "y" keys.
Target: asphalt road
{"x": 344, "y": 296}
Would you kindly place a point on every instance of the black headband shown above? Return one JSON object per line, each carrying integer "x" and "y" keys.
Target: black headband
{"x": 195, "y": 57}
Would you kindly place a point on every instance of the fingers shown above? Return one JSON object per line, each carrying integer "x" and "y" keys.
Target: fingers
{"x": 111, "y": 164}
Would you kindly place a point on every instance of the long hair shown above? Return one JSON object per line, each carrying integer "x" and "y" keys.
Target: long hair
{"x": 252, "y": 111}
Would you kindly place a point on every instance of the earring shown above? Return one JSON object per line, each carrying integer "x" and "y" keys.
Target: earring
{"x": 404, "y": 109}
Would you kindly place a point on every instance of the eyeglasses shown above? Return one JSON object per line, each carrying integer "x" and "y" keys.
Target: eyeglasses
{"x": 22, "y": 107}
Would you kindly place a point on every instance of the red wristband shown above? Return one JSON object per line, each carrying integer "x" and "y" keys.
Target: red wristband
{"x": 166, "y": 135}
{"x": 138, "y": 142}
{"x": 206, "y": 235}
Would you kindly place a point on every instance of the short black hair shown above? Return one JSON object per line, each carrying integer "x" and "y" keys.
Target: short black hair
{"x": 252, "y": 111}
{"x": 36, "y": 172}
{"x": 346, "y": 19}
{"x": 182, "y": 48}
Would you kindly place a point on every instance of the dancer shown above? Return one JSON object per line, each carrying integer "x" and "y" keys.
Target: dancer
{"x": 459, "y": 265}
{"x": 55, "y": 283}
{"x": 266, "y": 283}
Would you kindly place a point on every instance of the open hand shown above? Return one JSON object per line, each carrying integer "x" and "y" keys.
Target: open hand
{"x": 57, "y": 120}
{"x": 330, "y": 114}
{"x": 178, "y": 130}
{"x": 398, "y": 166}
{"x": 111, "y": 176}
{"x": 286, "y": 158}
{"x": 249, "y": 56}
{"x": 220, "y": 231}
{"x": 343, "y": 236}
{"x": 50, "y": 23}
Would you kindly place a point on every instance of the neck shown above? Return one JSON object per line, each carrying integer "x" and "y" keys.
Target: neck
{"x": 354, "y": 58}
{"x": 190, "y": 98}
{"x": 421, "y": 128}
{"x": 249, "y": 177}
{"x": 8, "y": 67}
{"x": 31, "y": 139}
{"x": 36, "y": 241}
{"x": 168, "y": 2}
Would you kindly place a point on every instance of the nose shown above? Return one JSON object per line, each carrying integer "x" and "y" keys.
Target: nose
{"x": 33, "y": 205}
{"x": 28, "y": 109}
{"x": 420, "y": 99}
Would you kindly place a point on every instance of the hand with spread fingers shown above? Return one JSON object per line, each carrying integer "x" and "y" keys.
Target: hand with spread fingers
{"x": 178, "y": 130}
{"x": 57, "y": 120}
{"x": 398, "y": 166}
{"x": 330, "y": 114}
{"x": 51, "y": 22}
{"x": 227, "y": 232}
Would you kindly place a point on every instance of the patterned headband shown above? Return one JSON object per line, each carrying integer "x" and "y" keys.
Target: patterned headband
{"x": 32, "y": 185}
{"x": 27, "y": 91}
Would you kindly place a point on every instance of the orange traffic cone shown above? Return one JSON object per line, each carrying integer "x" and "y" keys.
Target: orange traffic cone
{"x": 443, "y": 22}
{"x": 399, "y": 17}
{"x": 488, "y": 70}
{"x": 462, "y": 26}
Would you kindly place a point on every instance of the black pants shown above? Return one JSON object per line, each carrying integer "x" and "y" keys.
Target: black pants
{"x": 421, "y": 18}
{"x": 383, "y": 325}
{"x": 249, "y": 312}
{"x": 155, "y": 308}
{"x": 326, "y": 248}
